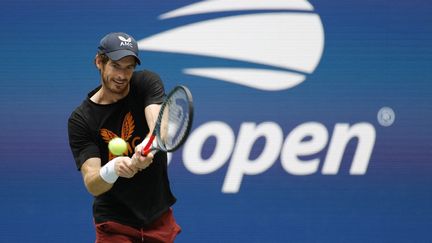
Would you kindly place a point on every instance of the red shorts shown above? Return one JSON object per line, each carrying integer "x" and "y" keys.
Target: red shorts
{"x": 163, "y": 230}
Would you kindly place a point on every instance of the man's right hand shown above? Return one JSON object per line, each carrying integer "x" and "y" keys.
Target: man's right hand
{"x": 125, "y": 168}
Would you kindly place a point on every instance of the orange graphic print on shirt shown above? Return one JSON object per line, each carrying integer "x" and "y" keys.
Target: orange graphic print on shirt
{"x": 128, "y": 127}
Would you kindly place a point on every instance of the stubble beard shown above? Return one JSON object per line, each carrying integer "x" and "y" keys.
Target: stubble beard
{"x": 113, "y": 87}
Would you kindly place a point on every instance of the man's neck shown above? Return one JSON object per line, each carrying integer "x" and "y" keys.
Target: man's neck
{"x": 105, "y": 97}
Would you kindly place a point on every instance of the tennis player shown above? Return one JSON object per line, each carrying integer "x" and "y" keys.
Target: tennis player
{"x": 132, "y": 195}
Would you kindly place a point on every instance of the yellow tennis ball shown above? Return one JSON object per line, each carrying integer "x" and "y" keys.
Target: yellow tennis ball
{"x": 117, "y": 146}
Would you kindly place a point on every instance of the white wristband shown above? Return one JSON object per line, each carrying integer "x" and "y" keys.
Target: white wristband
{"x": 107, "y": 172}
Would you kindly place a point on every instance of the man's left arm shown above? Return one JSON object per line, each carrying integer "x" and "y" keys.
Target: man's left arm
{"x": 138, "y": 160}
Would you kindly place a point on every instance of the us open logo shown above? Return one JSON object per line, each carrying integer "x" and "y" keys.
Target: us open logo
{"x": 284, "y": 40}
{"x": 269, "y": 45}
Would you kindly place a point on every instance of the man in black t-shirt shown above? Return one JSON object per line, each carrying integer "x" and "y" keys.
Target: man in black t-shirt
{"x": 132, "y": 196}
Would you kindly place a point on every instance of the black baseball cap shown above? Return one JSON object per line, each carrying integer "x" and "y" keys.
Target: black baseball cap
{"x": 117, "y": 45}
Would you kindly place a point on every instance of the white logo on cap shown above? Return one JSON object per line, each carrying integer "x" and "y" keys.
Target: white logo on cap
{"x": 288, "y": 44}
{"x": 125, "y": 42}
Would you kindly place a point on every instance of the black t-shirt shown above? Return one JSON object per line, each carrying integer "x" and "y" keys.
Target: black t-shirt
{"x": 143, "y": 198}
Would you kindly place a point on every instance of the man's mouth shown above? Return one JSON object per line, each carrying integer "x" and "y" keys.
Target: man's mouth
{"x": 119, "y": 82}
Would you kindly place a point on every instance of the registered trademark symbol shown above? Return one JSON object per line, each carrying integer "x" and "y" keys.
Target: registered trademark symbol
{"x": 386, "y": 116}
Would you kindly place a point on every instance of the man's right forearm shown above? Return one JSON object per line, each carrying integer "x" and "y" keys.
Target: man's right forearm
{"x": 94, "y": 183}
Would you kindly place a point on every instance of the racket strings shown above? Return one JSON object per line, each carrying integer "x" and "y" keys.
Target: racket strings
{"x": 175, "y": 119}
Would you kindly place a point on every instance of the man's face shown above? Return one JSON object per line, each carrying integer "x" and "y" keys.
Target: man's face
{"x": 116, "y": 75}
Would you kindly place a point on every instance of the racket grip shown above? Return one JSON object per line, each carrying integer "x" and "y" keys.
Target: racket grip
{"x": 148, "y": 147}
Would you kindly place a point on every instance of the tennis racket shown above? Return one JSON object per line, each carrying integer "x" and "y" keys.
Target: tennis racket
{"x": 173, "y": 123}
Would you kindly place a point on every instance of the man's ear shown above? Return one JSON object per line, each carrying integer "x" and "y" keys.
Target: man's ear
{"x": 98, "y": 62}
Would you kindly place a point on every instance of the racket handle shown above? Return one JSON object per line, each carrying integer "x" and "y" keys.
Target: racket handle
{"x": 148, "y": 147}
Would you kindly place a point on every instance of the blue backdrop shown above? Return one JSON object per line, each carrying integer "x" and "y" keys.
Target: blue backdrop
{"x": 373, "y": 54}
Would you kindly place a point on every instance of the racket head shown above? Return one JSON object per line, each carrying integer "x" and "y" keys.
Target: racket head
{"x": 175, "y": 119}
